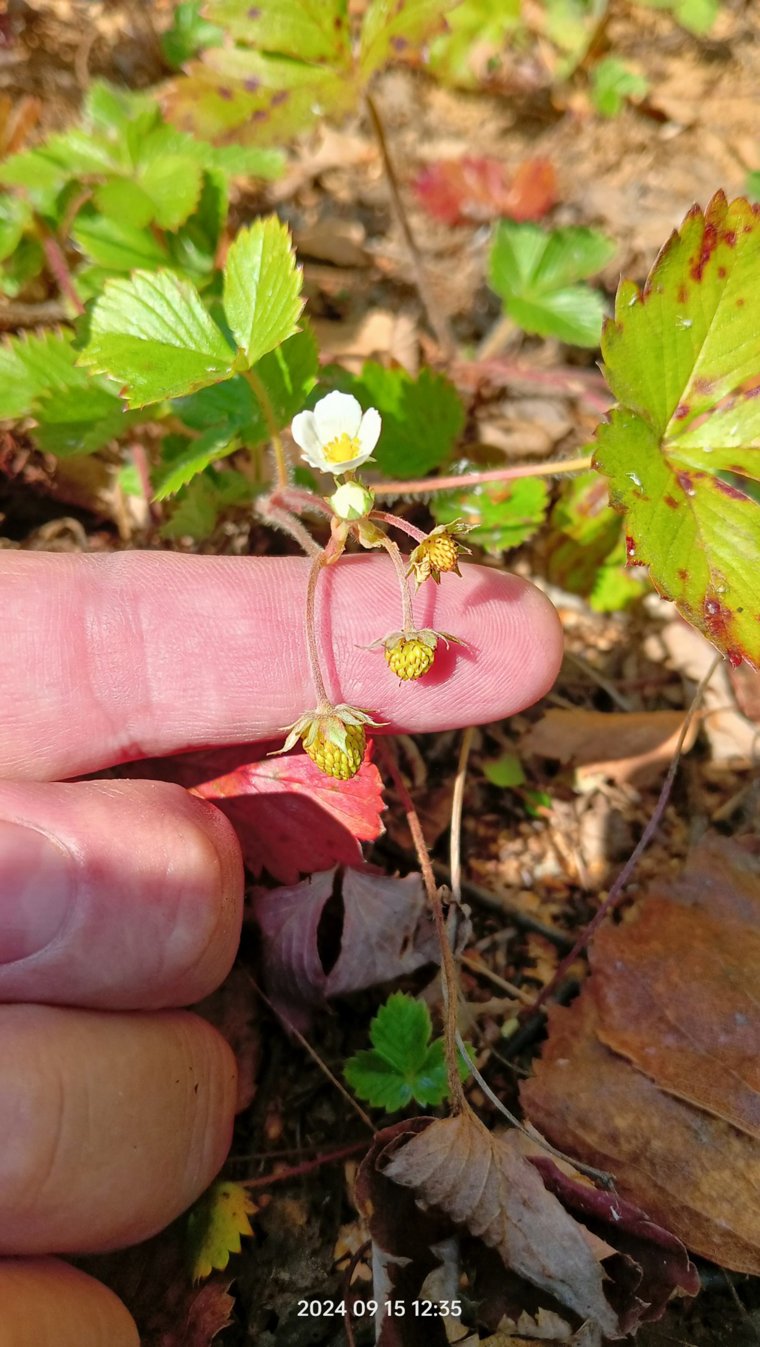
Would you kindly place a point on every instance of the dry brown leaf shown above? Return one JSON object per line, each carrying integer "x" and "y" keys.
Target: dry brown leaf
{"x": 677, "y": 994}
{"x": 732, "y": 738}
{"x": 693, "y": 1173}
{"x": 483, "y": 1183}
{"x": 625, "y": 746}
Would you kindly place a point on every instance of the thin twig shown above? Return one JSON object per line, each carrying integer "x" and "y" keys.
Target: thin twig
{"x": 482, "y": 970}
{"x": 58, "y": 268}
{"x": 429, "y": 485}
{"x": 616, "y": 893}
{"x": 455, "y": 831}
{"x": 436, "y": 317}
{"x": 323, "y": 1067}
{"x": 450, "y": 981}
{"x": 601, "y": 1175}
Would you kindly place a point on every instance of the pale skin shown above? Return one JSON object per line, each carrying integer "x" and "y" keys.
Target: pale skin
{"x": 120, "y": 901}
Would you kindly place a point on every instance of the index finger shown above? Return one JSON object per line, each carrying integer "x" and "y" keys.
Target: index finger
{"x": 106, "y": 659}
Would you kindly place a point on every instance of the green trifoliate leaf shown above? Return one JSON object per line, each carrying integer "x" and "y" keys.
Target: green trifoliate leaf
{"x": 212, "y": 445}
{"x": 172, "y": 184}
{"x": 188, "y": 33}
{"x": 392, "y": 31}
{"x": 537, "y": 275}
{"x": 79, "y": 420}
{"x": 682, "y": 451}
{"x": 30, "y": 366}
{"x": 232, "y": 408}
{"x": 612, "y": 83}
{"x": 24, "y": 264}
{"x": 262, "y": 288}
{"x": 116, "y": 243}
{"x": 502, "y": 514}
{"x": 698, "y": 16}
{"x": 478, "y": 32}
{"x": 15, "y": 216}
{"x": 403, "y": 1063}
{"x": 152, "y": 335}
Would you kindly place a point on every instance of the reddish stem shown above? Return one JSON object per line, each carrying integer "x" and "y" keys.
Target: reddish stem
{"x": 59, "y": 270}
{"x": 396, "y": 522}
{"x": 306, "y": 1167}
{"x": 429, "y": 485}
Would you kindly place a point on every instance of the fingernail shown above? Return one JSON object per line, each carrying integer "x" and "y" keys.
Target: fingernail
{"x": 37, "y": 887}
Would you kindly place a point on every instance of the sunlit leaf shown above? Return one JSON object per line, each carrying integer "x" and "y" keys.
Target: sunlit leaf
{"x": 152, "y": 334}
{"x": 30, "y": 365}
{"x": 262, "y": 288}
{"x": 539, "y": 276}
{"x": 501, "y": 514}
{"x": 681, "y": 450}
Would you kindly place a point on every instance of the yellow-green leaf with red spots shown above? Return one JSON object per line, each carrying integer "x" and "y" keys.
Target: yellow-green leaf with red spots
{"x": 215, "y": 1226}
{"x": 682, "y": 449}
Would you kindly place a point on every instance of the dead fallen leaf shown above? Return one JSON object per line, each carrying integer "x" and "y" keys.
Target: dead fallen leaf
{"x": 484, "y": 1184}
{"x": 338, "y": 932}
{"x": 732, "y": 738}
{"x": 677, "y": 993}
{"x": 479, "y": 188}
{"x": 339, "y": 242}
{"x": 621, "y": 746}
{"x": 406, "y": 1241}
{"x": 694, "y": 1174}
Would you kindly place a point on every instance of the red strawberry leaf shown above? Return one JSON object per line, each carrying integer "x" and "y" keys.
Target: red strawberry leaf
{"x": 476, "y": 188}
{"x": 292, "y": 819}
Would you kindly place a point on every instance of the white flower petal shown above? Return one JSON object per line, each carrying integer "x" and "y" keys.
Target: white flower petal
{"x": 304, "y": 432}
{"x": 368, "y": 433}
{"x": 316, "y": 459}
{"x": 337, "y": 414}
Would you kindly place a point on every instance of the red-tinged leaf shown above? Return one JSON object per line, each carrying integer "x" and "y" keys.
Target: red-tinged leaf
{"x": 209, "y": 1312}
{"x": 376, "y": 928}
{"x": 652, "y": 1263}
{"x": 292, "y": 819}
{"x": 477, "y": 188}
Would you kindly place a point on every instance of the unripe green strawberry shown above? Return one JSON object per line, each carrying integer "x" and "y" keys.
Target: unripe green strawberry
{"x": 410, "y": 658}
{"x": 341, "y": 763}
{"x": 334, "y": 737}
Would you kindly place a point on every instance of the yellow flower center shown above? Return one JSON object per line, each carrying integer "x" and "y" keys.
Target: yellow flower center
{"x": 342, "y": 449}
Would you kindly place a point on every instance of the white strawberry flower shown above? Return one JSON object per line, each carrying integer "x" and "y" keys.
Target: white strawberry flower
{"x": 337, "y": 436}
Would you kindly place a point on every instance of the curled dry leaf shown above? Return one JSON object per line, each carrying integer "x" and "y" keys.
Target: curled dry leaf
{"x": 652, "y": 1072}
{"x": 341, "y": 931}
{"x": 483, "y": 1183}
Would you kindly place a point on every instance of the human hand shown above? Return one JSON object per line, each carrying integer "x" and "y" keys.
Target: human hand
{"x": 120, "y": 901}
